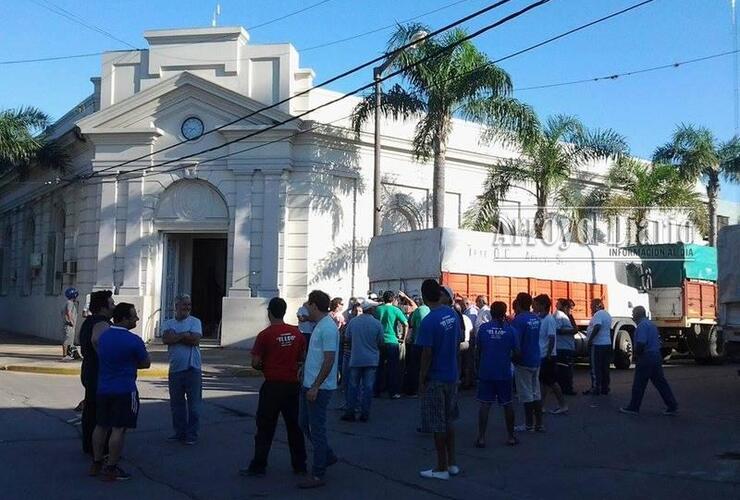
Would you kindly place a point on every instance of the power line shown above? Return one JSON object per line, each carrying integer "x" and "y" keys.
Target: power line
{"x": 383, "y": 28}
{"x": 615, "y": 76}
{"x": 433, "y": 55}
{"x": 317, "y": 86}
{"x": 290, "y": 14}
{"x": 447, "y": 48}
{"x": 60, "y": 11}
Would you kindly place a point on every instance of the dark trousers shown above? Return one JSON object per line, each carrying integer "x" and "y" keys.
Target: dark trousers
{"x": 89, "y": 419}
{"x": 650, "y": 368}
{"x": 278, "y": 398}
{"x": 388, "y": 370}
{"x": 565, "y": 369}
{"x": 413, "y": 365}
{"x": 601, "y": 359}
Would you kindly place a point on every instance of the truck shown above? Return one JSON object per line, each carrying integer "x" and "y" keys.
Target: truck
{"x": 682, "y": 292}
{"x": 500, "y": 266}
{"x": 728, "y": 284}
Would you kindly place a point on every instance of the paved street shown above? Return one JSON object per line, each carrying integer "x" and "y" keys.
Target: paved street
{"x": 592, "y": 453}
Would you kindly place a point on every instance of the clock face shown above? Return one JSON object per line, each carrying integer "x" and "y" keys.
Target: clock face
{"x": 192, "y": 128}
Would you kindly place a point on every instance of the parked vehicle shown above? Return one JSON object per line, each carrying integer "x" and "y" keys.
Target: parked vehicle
{"x": 500, "y": 266}
{"x": 683, "y": 297}
{"x": 728, "y": 283}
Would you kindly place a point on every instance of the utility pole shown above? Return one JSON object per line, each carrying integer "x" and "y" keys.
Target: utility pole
{"x": 735, "y": 74}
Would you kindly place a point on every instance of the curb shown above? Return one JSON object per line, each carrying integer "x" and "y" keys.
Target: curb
{"x": 155, "y": 373}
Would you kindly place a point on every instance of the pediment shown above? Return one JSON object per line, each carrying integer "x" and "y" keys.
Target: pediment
{"x": 184, "y": 94}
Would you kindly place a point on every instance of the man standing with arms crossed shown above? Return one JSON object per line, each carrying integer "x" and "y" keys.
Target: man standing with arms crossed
{"x": 319, "y": 383}
{"x": 182, "y": 336}
{"x": 101, "y": 309}
{"x": 278, "y": 352}
{"x": 120, "y": 354}
{"x": 649, "y": 366}
{"x": 600, "y": 348}
{"x": 440, "y": 336}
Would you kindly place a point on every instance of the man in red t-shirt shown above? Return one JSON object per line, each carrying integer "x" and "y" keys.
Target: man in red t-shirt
{"x": 278, "y": 352}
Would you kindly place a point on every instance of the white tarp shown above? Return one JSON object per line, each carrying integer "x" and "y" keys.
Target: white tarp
{"x": 728, "y": 268}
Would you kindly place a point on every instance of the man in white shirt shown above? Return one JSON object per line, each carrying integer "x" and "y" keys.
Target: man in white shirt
{"x": 182, "y": 336}
{"x": 319, "y": 383}
{"x": 548, "y": 350}
{"x": 600, "y": 348}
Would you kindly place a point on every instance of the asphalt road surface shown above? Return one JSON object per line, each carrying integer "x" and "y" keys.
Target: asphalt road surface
{"x": 594, "y": 452}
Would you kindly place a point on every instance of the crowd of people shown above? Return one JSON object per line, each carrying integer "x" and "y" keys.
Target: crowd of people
{"x": 427, "y": 347}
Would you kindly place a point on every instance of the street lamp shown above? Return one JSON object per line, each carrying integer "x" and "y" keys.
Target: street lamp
{"x": 416, "y": 39}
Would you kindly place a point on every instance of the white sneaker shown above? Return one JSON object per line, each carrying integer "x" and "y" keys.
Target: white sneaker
{"x": 454, "y": 470}
{"x": 433, "y": 474}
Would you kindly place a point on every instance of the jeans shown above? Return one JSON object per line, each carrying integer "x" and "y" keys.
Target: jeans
{"x": 185, "y": 401}
{"x": 388, "y": 370}
{"x": 601, "y": 358}
{"x": 362, "y": 380}
{"x": 650, "y": 367}
{"x": 344, "y": 369}
{"x": 278, "y": 398}
{"x": 413, "y": 365}
{"x": 565, "y": 369}
{"x": 312, "y": 417}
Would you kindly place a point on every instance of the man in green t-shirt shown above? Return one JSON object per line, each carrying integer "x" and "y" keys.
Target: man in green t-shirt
{"x": 413, "y": 351}
{"x": 389, "y": 316}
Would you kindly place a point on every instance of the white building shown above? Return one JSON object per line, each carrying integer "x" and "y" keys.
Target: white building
{"x": 284, "y": 213}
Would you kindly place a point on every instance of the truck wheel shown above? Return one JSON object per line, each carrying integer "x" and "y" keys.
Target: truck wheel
{"x": 710, "y": 348}
{"x": 666, "y": 353}
{"x": 623, "y": 350}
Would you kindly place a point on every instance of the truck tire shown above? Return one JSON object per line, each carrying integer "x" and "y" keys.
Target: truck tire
{"x": 666, "y": 353}
{"x": 623, "y": 350}
{"x": 710, "y": 347}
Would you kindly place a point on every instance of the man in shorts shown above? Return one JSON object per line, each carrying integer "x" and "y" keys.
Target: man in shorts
{"x": 69, "y": 321}
{"x": 495, "y": 348}
{"x": 120, "y": 354}
{"x": 548, "y": 351}
{"x": 527, "y": 361}
{"x": 439, "y": 336}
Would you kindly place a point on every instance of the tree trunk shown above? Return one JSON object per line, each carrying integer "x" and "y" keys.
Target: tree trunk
{"x": 438, "y": 187}
{"x": 712, "y": 192}
{"x": 539, "y": 215}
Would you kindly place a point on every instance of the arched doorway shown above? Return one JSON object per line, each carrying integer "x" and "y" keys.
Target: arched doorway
{"x": 192, "y": 219}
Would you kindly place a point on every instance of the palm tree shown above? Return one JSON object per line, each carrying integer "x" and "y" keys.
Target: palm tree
{"x": 461, "y": 82}
{"x": 698, "y": 155}
{"x": 22, "y": 144}
{"x": 637, "y": 186}
{"x": 549, "y": 159}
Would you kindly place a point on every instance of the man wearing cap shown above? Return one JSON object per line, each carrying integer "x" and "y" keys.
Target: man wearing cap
{"x": 69, "y": 321}
{"x": 364, "y": 334}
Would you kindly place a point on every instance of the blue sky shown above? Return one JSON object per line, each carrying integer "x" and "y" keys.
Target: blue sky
{"x": 645, "y": 108}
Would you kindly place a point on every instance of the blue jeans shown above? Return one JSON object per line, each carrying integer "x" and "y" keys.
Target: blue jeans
{"x": 312, "y": 418}
{"x": 185, "y": 401}
{"x": 650, "y": 368}
{"x": 601, "y": 359}
{"x": 362, "y": 379}
{"x": 345, "y": 371}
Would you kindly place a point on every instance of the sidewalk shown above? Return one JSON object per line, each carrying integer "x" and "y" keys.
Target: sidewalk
{"x": 24, "y": 353}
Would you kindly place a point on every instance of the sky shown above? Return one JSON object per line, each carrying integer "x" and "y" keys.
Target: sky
{"x": 645, "y": 108}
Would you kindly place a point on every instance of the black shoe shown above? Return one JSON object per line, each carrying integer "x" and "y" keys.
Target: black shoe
{"x": 364, "y": 418}
{"x": 348, "y": 417}
{"x": 571, "y": 393}
{"x": 332, "y": 460}
{"x": 252, "y": 472}
{"x": 300, "y": 472}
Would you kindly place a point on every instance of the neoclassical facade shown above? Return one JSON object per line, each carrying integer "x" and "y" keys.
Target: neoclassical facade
{"x": 279, "y": 212}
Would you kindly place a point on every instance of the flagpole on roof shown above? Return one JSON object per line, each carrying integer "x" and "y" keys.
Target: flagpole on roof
{"x": 216, "y": 14}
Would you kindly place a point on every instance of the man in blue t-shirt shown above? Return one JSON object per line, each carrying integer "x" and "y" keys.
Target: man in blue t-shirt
{"x": 649, "y": 365}
{"x": 495, "y": 348}
{"x": 526, "y": 327}
{"x": 120, "y": 354}
{"x": 439, "y": 336}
